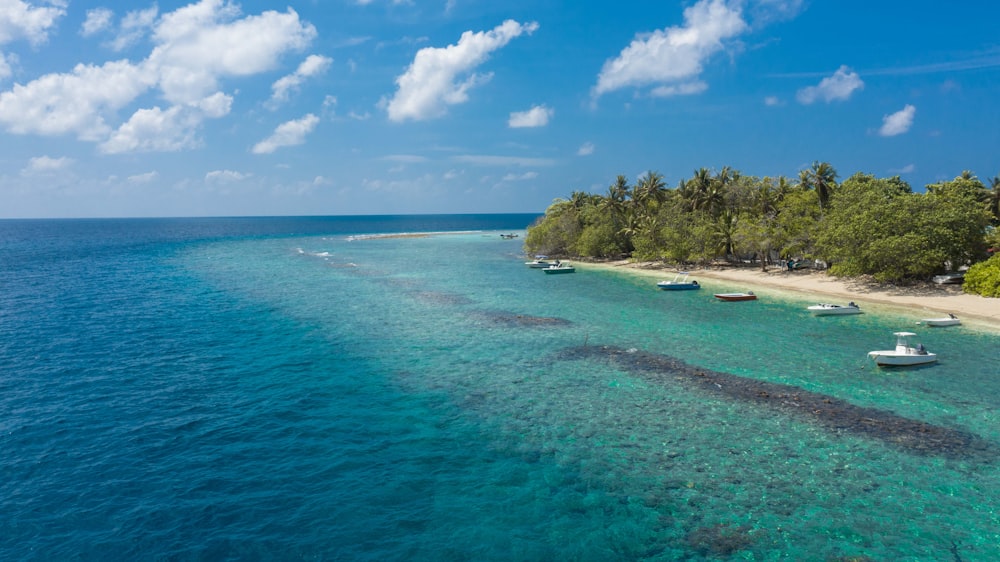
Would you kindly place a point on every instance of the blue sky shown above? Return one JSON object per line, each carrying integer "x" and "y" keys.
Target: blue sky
{"x": 332, "y": 107}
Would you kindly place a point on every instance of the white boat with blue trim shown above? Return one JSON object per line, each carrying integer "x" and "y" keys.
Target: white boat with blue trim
{"x": 904, "y": 354}
{"x": 679, "y": 283}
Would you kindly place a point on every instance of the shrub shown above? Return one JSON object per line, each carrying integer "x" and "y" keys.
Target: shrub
{"x": 983, "y": 278}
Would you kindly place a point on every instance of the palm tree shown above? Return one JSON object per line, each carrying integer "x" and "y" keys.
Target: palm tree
{"x": 650, "y": 190}
{"x": 822, "y": 177}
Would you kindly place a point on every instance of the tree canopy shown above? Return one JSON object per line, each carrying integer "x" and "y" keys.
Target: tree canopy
{"x": 862, "y": 226}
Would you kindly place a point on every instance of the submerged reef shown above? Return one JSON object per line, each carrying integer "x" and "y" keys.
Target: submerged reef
{"x": 912, "y": 436}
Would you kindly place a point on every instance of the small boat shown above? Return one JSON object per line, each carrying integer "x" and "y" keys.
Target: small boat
{"x": 747, "y": 296}
{"x": 826, "y": 309}
{"x": 560, "y": 267}
{"x": 950, "y": 320}
{"x": 539, "y": 262}
{"x": 949, "y": 279}
{"x": 679, "y": 283}
{"x": 904, "y": 354}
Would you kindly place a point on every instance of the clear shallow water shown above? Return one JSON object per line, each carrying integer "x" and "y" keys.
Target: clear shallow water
{"x": 283, "y": 389}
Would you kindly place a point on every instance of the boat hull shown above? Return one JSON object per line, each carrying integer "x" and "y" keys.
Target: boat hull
{"x": 896, "y": 359}
{"x": 559, "y": 270}
{"x": 735, "y": 297}
{"x": 941, "y": 321}
{"x": 668, "y": 286}
{"x": 820, "y": 310}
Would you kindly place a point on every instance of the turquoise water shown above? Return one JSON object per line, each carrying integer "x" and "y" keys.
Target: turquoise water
{"x": 290, "y": 389}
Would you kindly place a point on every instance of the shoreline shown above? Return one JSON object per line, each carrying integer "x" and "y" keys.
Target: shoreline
{"x": 925, "y": 301}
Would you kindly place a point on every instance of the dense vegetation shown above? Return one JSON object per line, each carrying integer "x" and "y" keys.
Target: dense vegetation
{"x": 861, "y": 226}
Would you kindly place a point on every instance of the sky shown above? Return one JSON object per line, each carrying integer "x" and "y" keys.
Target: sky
{"x": 345, "y": 107}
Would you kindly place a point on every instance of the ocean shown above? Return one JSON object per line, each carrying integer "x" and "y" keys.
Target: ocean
{"x": 404, "y": 388}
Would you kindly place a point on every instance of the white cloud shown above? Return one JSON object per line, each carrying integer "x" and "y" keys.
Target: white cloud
{"x": 45, "y": 164}
{"x": 98, "y": 20}
{"x": 22, "y": 20}
{"x": 898, "y": 123}
{"x": 133, "y": 27}
{"x": 158, "y": 130}
{"x": 685, "y": 89}
{"x": 537, "y": 116}
{"x": 313, "y": 65}
{"x": 5, "y": 71}
{"x": 486, "y": 160}
{"x": 437, "y": 76}
{"x": 840, "y": 86}
{"x": 521, "y": 177}
{"x": 674, "y": 54}
{"x": 74, "y": 102}
{"x": 198, "y": 44}
{"x": 194, "y": 48}
{"x": 225, "y": 176}
{"x": 586, "y": 149}
{"x": 143, "y": 178}
{"x": 772, "y": 101}
{"x": 287, "y": 134}
{"x": 907, "y": 169}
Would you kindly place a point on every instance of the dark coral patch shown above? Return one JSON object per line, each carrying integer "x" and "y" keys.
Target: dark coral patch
{"x": 833, "y": 413}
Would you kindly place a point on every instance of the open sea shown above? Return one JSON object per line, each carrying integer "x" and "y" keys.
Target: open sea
{"x": 310, "y": 389}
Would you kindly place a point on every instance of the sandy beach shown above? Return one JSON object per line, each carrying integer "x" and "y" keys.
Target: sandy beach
{"x": 928, "y": 301}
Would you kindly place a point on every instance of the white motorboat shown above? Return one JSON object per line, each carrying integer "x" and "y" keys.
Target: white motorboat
{"x": 949, "y": 279}
{"x": 540, "y": 262}
{"x": 826, "y": 309}
{"x": 904, "y": 354}
{"x": 950, "y": 320}
{"x": 679, "y": 283}
{"x": 747, "y": 296}
{"x": 560, "y": 267}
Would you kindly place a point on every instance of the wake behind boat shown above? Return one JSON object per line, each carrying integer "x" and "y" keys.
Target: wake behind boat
{"x": 826, "y": 309}
{"x": 679, "y": 283}
{"x": 904, "y": 354}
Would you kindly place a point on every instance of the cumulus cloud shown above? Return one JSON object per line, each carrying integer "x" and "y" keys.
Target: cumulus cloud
{"x": 134, "y": 26}
{"x": 674, "y": 55}
{"x": 143, "y": 178}
{"x": 686, "y": 89}
{"x": 287, "y": 134}
{"x": 840, "y": 86}
{"x": 898, "y": 123}
{"x": 586, "y": 149}
{"x": 225, "y": 176}
{"x": 440, "y": 77}
{"x": 537, "y": 116}
{"x": 5, "y": 71}
{"x": 22, "y": 20}
{"x": 194, "y": 48}
{"x": 169, "y": 130}
{"x": 98, "y": 20}
{"x": 521, "y": 177}
{"x": 313, "y": 65}
{"x": 46, "y": 164}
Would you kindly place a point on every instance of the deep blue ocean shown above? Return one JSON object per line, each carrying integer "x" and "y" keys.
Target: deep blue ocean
{"x": 319, "y": 388}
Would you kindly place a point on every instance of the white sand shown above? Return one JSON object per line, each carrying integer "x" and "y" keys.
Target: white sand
{"x": 931, "y": 301}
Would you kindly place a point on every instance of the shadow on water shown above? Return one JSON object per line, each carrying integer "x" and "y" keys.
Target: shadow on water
{"x": 837, "y": 415}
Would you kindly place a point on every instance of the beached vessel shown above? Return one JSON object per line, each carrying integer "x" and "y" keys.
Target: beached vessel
{"x": 950, "y": 320}
{"x": 904, "y": 354}
{"x": 827, "y": 309}
{"x": 747, "y": 296}
{"x": 679, "y": 283}
{"x": 949, "y": 279}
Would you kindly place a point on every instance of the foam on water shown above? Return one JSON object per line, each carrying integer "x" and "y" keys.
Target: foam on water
{"x": 222, "y": 397}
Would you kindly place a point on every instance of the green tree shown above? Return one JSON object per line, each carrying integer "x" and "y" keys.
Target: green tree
{"x": 822, "y": 178}
{"x": 983, "y": 278}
